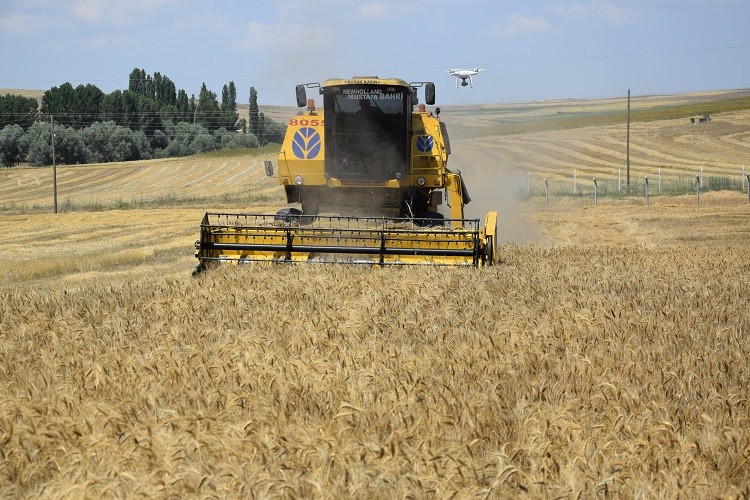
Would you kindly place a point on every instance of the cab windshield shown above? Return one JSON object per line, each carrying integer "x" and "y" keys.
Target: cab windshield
{"x": 366, "y": 129}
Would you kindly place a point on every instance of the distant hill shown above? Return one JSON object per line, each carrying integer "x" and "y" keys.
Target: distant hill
{"x": 36, "y": 94}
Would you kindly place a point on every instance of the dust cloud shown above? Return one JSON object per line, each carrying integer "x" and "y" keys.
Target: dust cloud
{"x": 491, "y": 186}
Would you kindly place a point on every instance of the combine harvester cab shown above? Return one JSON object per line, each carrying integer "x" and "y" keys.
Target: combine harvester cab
{"x": 370, "y": 176}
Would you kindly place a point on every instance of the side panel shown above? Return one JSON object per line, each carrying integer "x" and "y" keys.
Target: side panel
{"x": 428, "y": 152}
{"x": 303, "y": 151}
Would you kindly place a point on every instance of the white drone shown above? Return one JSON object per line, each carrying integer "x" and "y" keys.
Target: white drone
{"x": 463, "y": 75}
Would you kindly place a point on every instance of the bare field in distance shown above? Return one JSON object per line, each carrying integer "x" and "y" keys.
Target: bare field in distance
{"x": 556, "y": 140}
{"x": 201, "y": 179}
{"x": 605, "y": 354}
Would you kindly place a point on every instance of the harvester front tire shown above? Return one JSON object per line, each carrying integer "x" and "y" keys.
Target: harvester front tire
{"x": 428, "y": 219}
{"x": 288, "y": 215}
{"x": 491, "y": 251}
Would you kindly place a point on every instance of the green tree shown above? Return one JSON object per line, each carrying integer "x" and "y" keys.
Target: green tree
{"x": 149, "y": 119}
{"x": 254, "y": 119}
{"x": 139, "y": 83}
{"x": 131, "y": 110}
{"x": 165, "y": 92}
{"x": 185, "y": 139}
{"x": 60, "y": 103}
{"x": 73, "y": 107}
{"x": 233, "y": 140}
{"x": 159, "y": 143}
{"x": 183, "y": 113}
{"x": 269, "y": 130}
{"x": 13, "y": 145}
{"x": 229, "y": 106}
{"x": 87, "y": 104}
{"x": 208, "y": 113}
{"x": 192, "y": 109}
{"x": 69, "y": 148}
{"x": 113, "y": 107}
{"x": 272, "y": 131}
{"x": 109, "y": 142}
{"x": 39, "y": 137}
{"x": 19, "y": 110}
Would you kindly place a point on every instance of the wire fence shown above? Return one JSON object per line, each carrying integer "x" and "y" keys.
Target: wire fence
{"x": 528, "y": 185}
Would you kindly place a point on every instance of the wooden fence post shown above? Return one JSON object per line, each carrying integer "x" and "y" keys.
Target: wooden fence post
{"x": 698, "y": 188}
{"x": 646, "y": 178}
{"x": 528, "y": 183}
{"x": 659, "y": 180}
{"x": 596, "y": 201}
{"x": 546, "y": 192}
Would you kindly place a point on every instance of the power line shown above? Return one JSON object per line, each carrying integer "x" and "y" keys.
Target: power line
{"x": 411, "y": 68}
{"x": 623, "y": 55}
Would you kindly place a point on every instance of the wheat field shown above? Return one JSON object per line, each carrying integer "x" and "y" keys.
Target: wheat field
{"x": 605, "y": 355}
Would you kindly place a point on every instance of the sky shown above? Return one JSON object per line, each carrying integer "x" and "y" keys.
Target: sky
{"x": 530, "y": 50}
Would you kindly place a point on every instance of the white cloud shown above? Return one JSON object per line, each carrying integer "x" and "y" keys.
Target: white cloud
{"x": 87, "y": 10}
{"x": 373, "y": 10}
{"x": 606, "y": 11}
{"x": 265, "y": 35}
{"x": 520, "y": 25}
{"x": 283, "y": 37}
{"x": 15, "y": 24}
{"x": 96, "y": 42}
{"x": 115, "y": 11}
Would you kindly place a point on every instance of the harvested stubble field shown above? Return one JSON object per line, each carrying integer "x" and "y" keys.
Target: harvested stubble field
{"x": 606, "y": 355}
{"x": 562, "y": 139}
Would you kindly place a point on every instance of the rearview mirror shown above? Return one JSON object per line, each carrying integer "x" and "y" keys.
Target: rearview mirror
{"x": 429, "y": 93}
{"x": 269, "y": 168}
{"x": 301, "y": 96}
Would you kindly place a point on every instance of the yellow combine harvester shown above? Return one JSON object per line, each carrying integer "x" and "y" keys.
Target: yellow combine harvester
{"x": 370, "y": 176}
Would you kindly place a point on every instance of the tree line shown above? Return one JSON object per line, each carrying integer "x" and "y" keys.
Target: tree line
{"x": 151, "y": 119}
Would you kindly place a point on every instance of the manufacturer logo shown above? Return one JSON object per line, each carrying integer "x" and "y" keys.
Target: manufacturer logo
{"x": 306, "y": 143}
{"x": 425, "y": 143}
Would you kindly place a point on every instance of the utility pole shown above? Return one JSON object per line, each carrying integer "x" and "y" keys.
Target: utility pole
{"x": 627, "y": 181}
{"x": 54, "y": 165}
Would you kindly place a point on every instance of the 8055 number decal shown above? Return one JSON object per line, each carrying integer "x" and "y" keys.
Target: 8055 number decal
{"x": 305, "y": 122}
